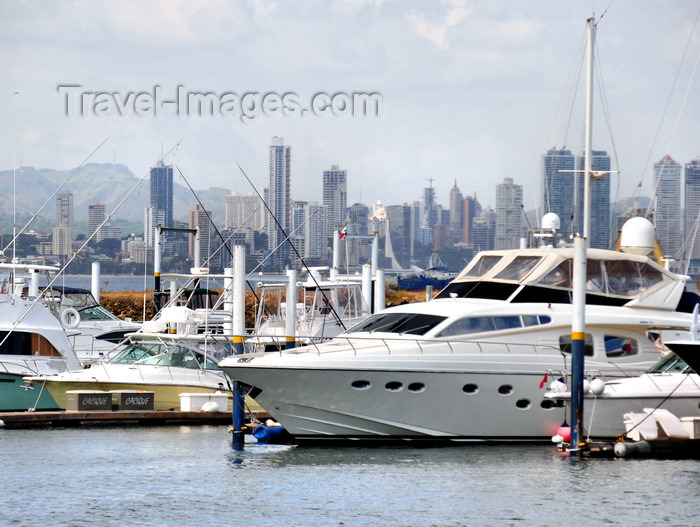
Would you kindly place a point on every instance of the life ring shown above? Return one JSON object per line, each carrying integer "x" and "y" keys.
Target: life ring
{"x": 70, "y": 318}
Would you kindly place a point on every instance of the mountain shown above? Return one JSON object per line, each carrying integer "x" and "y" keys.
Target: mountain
{"x": 108, "y": 183}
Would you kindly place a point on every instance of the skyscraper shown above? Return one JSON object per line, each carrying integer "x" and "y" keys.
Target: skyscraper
{"x": 558, "y": 187}
{"x": 96, "y": 215}
{"x": 509, "y": 215}
{"x": 162, "y": 192}
{"x": 64, "y": 209}
{"x": 310, "y": 225}
{"x": 600, "y": 200}
{"x": 472, "y": 209}
{"x": 335, "y": 197}
{"x": 457, "y": 214}
{"x": 245, "y": 211}
{"x": 279, "y": 201}
{"x": 692, "y": 209}
{"x": 667, "y": 205}
{"x": 200, "y": 218}
{"x": 398, "y": 219}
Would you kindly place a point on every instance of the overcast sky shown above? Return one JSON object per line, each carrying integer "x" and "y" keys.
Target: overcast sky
{"x": 472, "y": 91}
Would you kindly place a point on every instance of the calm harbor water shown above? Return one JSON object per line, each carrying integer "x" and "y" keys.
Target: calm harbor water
{"x": 182, "y": 475}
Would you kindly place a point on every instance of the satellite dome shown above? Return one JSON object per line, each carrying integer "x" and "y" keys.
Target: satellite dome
{"x": 637, "y": 236}
{"x": 551, "y": 221}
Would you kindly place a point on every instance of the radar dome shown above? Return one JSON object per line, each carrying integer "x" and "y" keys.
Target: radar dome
{"x": 551, "y": 221}
{"x": 637, "y": 236}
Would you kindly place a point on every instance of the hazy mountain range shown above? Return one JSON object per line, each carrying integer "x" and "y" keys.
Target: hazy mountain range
{"x": 107, "y": 183}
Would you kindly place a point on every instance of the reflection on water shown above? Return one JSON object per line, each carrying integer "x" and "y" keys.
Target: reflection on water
{"x": 191, "y": 476}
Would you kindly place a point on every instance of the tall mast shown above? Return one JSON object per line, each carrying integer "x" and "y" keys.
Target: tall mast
{"x": 578, "y": 325}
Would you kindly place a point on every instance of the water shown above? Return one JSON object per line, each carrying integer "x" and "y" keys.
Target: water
{"x": 190, "y": 476}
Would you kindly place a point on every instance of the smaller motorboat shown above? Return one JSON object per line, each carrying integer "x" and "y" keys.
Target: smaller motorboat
{"x": 167, "y": 365}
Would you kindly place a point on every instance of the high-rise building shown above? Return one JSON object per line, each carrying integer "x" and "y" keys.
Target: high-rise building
{"x": 667, "y": 206}
{"x": 245, "y": 212}
{"x": 335, "y": 197}
{"x": 162, "y": 192}
{"x": 310, "y": 225}
{"x": 600, "y": 200}
{"x": 96, "y": 215}
{"x": 509, "y": 215}
{"x": 60, "y": 241}
{"x": 279, "y": 196}
{"x": 558, "y": 187}
{"x": 457, "y": 214}
{"x": 484, "y": 230}
{"x": 64, "y": 210}
{"x": 472, "y": 209}
{"x": 398, "y": 219}
{"x": 200, "y": 218}
{"x": 692, "y": 210}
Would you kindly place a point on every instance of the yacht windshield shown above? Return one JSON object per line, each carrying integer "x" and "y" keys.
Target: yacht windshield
{"x": 670, "y": 363}
{"x": 482, "y": 266}
{"x": 404, "y": 323}
{"x": 137, "y": 351}
{"x": 519, "y": 268}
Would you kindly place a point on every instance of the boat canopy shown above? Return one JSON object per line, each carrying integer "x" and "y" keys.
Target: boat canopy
{"x": 626, "y": 279}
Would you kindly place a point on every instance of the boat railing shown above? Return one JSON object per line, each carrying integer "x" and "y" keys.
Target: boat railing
{"x": 389, "y": 346}
{"x": 31, "y": 366}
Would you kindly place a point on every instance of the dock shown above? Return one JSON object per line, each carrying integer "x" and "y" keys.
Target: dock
{"x": 62, "y": 418}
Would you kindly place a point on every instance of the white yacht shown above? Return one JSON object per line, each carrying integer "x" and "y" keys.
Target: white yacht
{"x": 469, "y": 364}
{"x": 32, "y": 342}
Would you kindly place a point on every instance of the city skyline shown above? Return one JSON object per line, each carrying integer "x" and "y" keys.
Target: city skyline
{"x": 467, "y": 89}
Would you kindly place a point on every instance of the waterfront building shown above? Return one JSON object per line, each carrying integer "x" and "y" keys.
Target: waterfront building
{"x": 161, "y": 197}
{"x": 279, "y": 201}
{"x": 509, "y": 215}
{"x": 61, "y": 241}
{"x": 667, "y": 206}
{"x": 335, "y": 198}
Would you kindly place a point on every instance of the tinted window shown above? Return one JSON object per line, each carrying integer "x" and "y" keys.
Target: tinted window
{"x": 483, "y": 265}
{"x": 518, "y": 268}
{"x": 404, "y": 323}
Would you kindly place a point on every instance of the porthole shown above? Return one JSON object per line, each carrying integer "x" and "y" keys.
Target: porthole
{"x": 360, "y": 385}
{"x": 394, "y": 386}
{"x": 548, "y": 404}
{"x": 523, "y": 404}
{"x": 470, "y": 389}
{"x": 416, "y": 387}
{"x": 505, "y": 389}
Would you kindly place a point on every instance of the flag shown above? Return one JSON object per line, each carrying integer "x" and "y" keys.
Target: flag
{"x": 543, "y": 381}
{"x": 343, "y": 232}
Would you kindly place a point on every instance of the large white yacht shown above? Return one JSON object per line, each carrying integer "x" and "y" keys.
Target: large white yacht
{"x": 470, "y": 364}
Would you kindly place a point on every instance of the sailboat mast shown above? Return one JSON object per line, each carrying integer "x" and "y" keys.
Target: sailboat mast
{"x": 578, "y": 325}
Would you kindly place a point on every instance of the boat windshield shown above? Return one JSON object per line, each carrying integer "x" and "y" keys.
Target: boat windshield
{"x": 403, "y": 323}
{"x": 465, "y": 326}
{"x": 671, "y": 363}
{"x": 482, "y": 266}
{"x": 180, "y": 357}
{"x": 137, "y": 351}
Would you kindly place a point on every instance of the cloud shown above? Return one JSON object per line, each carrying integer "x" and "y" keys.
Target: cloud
{"x": 437, "y": 33}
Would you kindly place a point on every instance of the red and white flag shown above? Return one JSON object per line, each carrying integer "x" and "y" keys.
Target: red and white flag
{"x": 343, "y": 232}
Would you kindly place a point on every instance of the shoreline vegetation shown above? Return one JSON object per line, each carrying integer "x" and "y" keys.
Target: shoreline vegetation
{"x": 131, "y": 304}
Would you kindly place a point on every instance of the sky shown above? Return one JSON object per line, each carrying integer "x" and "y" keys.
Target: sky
{"x": 463, "y": 91}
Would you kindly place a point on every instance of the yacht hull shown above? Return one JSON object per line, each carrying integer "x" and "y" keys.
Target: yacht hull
{"x": 402, "y": 404}
{"x": 16, "y": 395}
{"x": 166, "y": 396}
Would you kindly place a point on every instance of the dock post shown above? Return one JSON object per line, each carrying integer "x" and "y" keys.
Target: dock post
{"x": 238, "y": 316}
{"x": 95, "y": 283}
{"x": 291, "y": 315}
{"x": 379, "y": 291}
{"x": 367, "y": 286}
